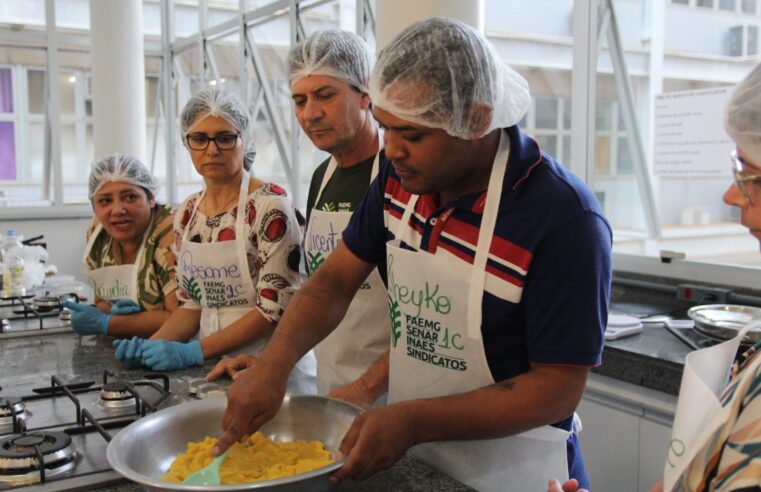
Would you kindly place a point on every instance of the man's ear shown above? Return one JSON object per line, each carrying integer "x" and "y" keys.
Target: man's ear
{"x": 480, "y": 118}
{"x": 364, "y": 101}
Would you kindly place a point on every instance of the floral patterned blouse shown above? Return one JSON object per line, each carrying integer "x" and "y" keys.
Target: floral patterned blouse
{"x": 273, "y": 247}
{"x": 156, "y": 276}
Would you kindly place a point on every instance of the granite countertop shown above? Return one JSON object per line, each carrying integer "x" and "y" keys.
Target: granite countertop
{"x": 655, "y": 357}
{"x": 29, "y": 362}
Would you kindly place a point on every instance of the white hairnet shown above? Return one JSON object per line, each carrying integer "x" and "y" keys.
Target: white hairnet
{"x": 334, "y": 53}
{"x": 742, "y": 119}
{"x": 436, "y": 71}
{"x": 227, "y": 105}
{"x": 124, "y": 169}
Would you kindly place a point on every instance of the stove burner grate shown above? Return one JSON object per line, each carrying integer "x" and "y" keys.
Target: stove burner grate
{"x": 31, "y": 457}
{"x": 12, "y": 413}
{"x": 115, "y": 394}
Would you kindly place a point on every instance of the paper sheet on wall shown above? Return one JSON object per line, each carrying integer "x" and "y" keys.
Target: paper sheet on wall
{"x": 689, "y": 138}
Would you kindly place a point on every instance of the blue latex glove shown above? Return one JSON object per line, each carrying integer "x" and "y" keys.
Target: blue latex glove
{"x": 86, "y": 319}
{"x": 163, "y": 355}
{"x": 130, "y": 351}
{"x": 125, "y": 306}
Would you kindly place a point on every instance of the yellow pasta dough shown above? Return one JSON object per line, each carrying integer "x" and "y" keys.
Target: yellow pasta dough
{"x": 259, "y": 458}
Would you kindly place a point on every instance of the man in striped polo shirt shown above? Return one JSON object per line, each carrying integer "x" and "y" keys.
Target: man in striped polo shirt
{"x": 498, "y": 263}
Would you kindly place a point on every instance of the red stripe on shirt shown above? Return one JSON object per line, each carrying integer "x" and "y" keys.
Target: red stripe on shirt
{"x": 500, "y": 248}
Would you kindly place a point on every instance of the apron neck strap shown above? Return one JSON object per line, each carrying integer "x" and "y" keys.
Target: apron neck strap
{"x": 485, "y": 232}
{"x": 333, "y": 165}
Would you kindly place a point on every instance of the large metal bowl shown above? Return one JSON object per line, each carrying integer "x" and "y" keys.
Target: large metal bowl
{"x": 724, "y": 321}
{"x": 144, "y": 450}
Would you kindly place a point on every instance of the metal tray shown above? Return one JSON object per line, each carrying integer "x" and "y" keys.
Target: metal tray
{"x": 724, "y": 321}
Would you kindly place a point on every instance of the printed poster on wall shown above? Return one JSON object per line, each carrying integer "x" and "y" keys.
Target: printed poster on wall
{"x": 689, "y": 139}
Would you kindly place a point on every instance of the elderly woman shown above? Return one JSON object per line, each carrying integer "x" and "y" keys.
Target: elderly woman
{"x": 728, "y": 458}
{"x": 237, "y": 245}
{"x": 128, "y": 260}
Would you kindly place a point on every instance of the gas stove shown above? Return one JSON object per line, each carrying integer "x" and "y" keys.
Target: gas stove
{"x": 56, "y": 437}
{"x": 32, "y": 315}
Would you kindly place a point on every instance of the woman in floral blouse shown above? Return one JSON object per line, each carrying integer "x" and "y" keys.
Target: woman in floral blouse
{"x": 237, "y": 244}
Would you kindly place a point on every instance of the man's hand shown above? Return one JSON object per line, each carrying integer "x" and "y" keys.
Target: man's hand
{"x": 356, "y": 393}
{"x": 252, "y": 400}
{"x": 376, "y": 440}
{"x": 231, "y": 366}
{"x": 570, "y": 486}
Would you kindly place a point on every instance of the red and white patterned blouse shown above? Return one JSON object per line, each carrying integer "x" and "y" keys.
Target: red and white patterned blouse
{"x": 273, "y": 248}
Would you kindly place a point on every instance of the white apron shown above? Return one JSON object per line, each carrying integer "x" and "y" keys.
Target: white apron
{"x": 216, "y": 276}
{"x": 437, "y": 350}
{"x": 362, "y": 336}
{"x": 699, "y": 412}
{"x": 115, "y": 282}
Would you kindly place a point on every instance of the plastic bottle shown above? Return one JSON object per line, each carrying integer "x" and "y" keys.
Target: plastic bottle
{"x": 10, "y": 240}
{"x": 13, "y": 277}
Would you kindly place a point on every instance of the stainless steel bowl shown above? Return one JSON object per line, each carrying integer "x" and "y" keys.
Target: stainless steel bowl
{"x": 724, "y": 321}
{"x": 144, "y": 450}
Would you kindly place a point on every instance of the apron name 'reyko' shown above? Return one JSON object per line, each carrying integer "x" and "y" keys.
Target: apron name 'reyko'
{"x": 427, "y": 297}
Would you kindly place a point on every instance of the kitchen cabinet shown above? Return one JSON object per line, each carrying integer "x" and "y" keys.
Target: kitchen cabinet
{"x": 626, "y": 431}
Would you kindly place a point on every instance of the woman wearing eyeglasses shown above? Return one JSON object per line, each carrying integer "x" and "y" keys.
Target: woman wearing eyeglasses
{"x": 238, "y": 248}
{"x": 726, "y": 453}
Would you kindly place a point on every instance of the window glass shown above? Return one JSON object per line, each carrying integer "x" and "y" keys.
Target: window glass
{"x": 36, "y": 151}
{"x": 272, "y": 48}
{"x": 548, "y": 144}
{"x": 546, "y": 112}
{"x": 67, "y": 86}
{"x": 6, "y": 91}
{"x": 7, "y": 151}
{"x": 151, "y": 88}
{"x": 567, "y": 113}
{"x": 72, "y": 14}
{"x": 36, "y": 91}
{"x": 686, "y": 208}
{"x": 69, "y": 156}
{"x": 604, "y": 115}
{"x": 322, "y": 16}
{"x": 32, "y": 12}
{"x": 727, "y": 5}
{"x": 749, "y": 6}
{"x": 681, "y": 2}
{"x": 624, "y": 165}
{"x": 185, "y": 18}
{"x": 566, "y": 150}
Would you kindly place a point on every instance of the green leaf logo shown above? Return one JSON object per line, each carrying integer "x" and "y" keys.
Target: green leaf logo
{"x": 329, "y": 207}
{"x": 191, "y": 289}
{"x": 315, "y": 260}
{"x": 396, "y": 322}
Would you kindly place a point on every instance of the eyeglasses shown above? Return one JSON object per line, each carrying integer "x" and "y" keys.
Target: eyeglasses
{"x": 742, "y": 180}
{"x": 223, "y": 141}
